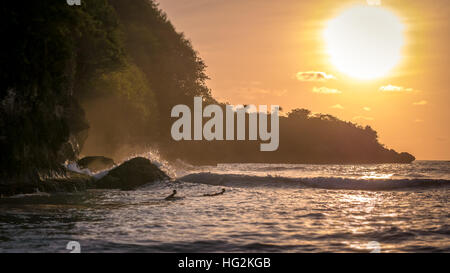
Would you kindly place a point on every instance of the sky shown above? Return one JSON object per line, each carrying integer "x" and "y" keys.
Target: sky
{"x": 276, "y": 53}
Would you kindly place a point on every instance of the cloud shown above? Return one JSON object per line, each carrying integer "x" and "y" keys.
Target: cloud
{"x": 374, "y": 2}
{"x": 262, "y": 91}
{"x": 326, "y": 90}
{"x": 367, "y": 108}
{"x": 253, "y": 93}
{"x": 394, "y": 88}
{"x": 422, "y": 102}
{"x": 418, "y": 120}
{"x": 337, "y": 106}
{"x": 313, "y": 76}
{"x": 362, "y": 117}
{"x": 249, "y": 93}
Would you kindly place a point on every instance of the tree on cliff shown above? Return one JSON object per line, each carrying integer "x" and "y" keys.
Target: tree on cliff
{"x": 50, "y": 50}
{"x": 129, "y": 110}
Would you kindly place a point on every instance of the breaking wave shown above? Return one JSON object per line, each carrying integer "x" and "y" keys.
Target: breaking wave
{"x": 238, "y": 180}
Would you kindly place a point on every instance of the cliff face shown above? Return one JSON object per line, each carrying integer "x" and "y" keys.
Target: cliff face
{"x": 51, "y": 51}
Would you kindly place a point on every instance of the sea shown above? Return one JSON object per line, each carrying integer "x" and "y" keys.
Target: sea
{"x": 265, "y": 208}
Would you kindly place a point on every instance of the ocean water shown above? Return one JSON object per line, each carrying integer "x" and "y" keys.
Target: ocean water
{"x": 266, "y": 208}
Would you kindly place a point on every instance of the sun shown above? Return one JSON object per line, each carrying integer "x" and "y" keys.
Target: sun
{"x": 365, "y": 42}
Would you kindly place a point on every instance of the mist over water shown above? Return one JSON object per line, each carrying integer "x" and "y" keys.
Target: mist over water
{"x": 266, "y": 208}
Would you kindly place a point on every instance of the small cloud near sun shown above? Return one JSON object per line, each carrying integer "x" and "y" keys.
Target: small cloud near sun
{"x": 314, "y": 76}
{"x": 422, "y": 102}
{"x": 326, "y": 90}
{"x": 337, "y": 106}
{"x": 374, "y": 2}
{"x": 393, "y": 88}
{"x": 362, "y": 118}
{"x": 367, "y": 109}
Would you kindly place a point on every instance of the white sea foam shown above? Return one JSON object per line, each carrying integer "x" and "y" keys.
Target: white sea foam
{"x": 239, "y": 180}
{"x": 73, "y": 166}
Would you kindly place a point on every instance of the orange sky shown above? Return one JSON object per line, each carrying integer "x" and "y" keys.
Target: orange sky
{"x": 254, "y": 50}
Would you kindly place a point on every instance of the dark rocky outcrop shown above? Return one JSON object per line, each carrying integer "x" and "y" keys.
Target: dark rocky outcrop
{"x": 69, "y": 182}
{"x": 53, "y": 53}
{"x": 405, "y": 158}
{"x": 72, "y": 182}
{"x": 131, "y": 174}
{"x": 96, "y": 163}
{"x": 128, "y": 176}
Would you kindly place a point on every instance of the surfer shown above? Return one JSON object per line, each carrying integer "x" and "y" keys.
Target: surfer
{"x": 172, "y": 196}
{"x": 215, "y": 194}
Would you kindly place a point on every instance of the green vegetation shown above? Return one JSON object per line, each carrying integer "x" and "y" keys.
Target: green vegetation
{"x": 304, "y": 138}
{"x": 50, "y": 51}
{"x": 166, "y": 57}
{"x": 122, "y": 112}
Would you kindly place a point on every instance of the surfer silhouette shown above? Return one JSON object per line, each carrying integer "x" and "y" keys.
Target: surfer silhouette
{"x": 172, "y": 195}
{"x": 215, "y": 194}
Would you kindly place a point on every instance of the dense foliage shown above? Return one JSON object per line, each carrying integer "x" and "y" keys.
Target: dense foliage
{"x": 304, "y": 138}
{"x": 50, "y": 50}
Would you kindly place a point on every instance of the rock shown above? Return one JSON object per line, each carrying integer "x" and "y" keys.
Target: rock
{"x": 69, "y": 182}
{"x": 128, "y": 176}
{"x": 406, "y": 158}
{"x": 131, "y": 174}
{"x": 72, "y": 182}
{"x": 96, "y": 163}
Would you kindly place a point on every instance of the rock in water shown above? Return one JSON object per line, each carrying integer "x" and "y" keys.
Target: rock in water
{"x": 71, "y": 182}
{"x": 131, "y": 174}
{"x": 406, "y": 158}
{"x": 67, "y": 182}
{"x": 96, "y": 163}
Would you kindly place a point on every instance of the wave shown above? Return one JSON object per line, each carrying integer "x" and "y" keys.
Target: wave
{"x": 280, "y": 168}
{"x": 238, "y": 180}
{"x": 151, "y": 155}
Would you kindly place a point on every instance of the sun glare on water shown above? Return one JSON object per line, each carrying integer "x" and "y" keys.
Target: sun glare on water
{"x": 364, "y": 42}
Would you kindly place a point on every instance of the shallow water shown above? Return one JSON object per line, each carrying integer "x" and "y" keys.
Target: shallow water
{"x": 266, "y": 208}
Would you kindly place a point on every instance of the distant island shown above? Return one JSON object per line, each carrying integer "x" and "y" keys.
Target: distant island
{"x": 101, "y": 79}
{"x": 305, "y": 138}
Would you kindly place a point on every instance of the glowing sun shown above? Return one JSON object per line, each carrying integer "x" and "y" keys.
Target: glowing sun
{"x": 364, "y": 42}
